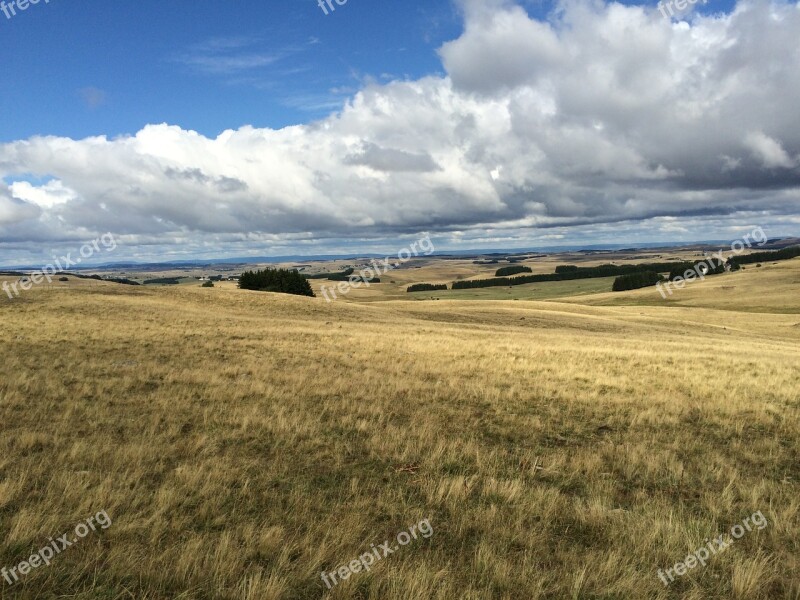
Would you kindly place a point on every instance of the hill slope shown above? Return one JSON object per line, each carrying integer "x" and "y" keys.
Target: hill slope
{"x": 244, "y": 442}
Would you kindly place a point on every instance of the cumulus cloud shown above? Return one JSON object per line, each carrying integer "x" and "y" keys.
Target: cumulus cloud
{"x": 47, "y": 195}
{"x": 601, "y": 114}
{"x": 769, "y": 151}
{"x": 13, "y": 210}
{"x": 388, "y": 159}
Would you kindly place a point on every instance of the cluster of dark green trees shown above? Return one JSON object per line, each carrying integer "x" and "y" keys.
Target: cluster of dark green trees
{"x": 766, "y": 256}
{"x": 427, "y": 287}
{"x": 283, "y": 281}
{"x": 346, "y": 275}
{"x": 516, "y": 269}
{"x": 634, "y": 281}
{"x": 711, "y": 266}
{"x": 646, "y": 278}
{"x": 120, "y": 280}
{"x": 567, "y": 273}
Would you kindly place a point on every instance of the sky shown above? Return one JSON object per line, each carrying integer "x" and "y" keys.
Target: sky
{"x": 214, "y": 129}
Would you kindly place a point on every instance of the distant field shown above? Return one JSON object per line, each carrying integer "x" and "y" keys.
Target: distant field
{"x": 531, "y": 291}
{"x": 771, "y": 288}
{"x": 394, "y": 283}
{"x": 244, "y": 442}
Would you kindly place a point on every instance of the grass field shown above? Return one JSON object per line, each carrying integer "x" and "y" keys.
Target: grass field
{"x": 242, "y": 443}
{"x": 531, "y": 291}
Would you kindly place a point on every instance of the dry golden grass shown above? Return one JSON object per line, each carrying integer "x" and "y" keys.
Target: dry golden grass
{"x": 244, "y": 442}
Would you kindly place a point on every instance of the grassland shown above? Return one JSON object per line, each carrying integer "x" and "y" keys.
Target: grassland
{"x": 531, "y": 291}
{"x": 243, "y": 442}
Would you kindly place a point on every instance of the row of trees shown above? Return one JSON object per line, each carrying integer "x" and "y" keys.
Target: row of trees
{"x": 121, "y": 280}
{"x": 427, "y": 287}
{"x": 766, "y": 256}
{"x": 346, "y": 275}
{"x": 516, "y": 269}
{"x": 568, "y": 272}
{"x": 711, "y": 266}
{"x": 634, "y": 281}
{"x": 283, "y": 281}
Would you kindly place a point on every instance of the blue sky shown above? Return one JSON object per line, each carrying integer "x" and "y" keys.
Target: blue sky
{"x": 215, "y": 129}
{"x": 97, "y": 67}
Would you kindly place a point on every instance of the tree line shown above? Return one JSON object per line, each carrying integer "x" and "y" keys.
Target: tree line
{"x": 570, "y": 272}
{"x": 767, "y": 255}
{"x": 427, "y": 287}
{"x": 634, "y": 281}
{"x": 340, "y": 276}
{"x": 514, "y": 270}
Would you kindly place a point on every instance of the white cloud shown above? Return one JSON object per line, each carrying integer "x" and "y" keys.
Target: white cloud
{"x": 768, "y": 151}
{"x": 13, "y": 211}
{"x": 602, "y": 114}
{"x": 47, "y": 195}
